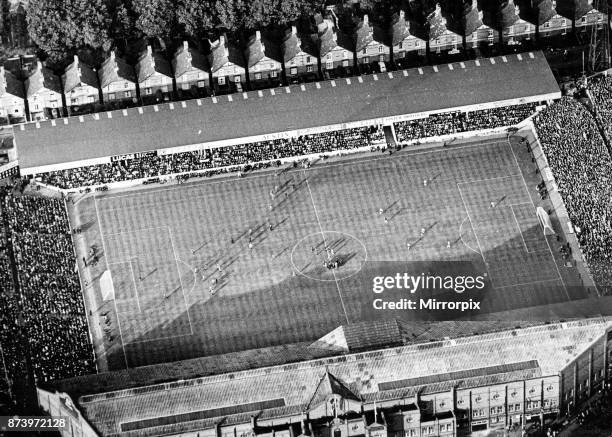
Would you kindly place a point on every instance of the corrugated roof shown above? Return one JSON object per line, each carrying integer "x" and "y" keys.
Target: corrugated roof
{"x": 303, "y": 107}
{"x": 477, "y": 359}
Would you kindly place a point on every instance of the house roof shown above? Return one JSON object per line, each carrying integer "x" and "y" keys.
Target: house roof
{"x": 78, "y": 73}
{"x": 330, "y": 38}
{"x": 436, "y": 23}
{"x": 221, "y": 52}
{"x": 508, "y": 14}
{"x": 293, "y": 44}
{"x": 9, "y": 84}
{"x": 545, "y": 11}
{"x": 40, "y": 78}
{"x": 582, "y": 7}
{"x": 364, "y": 34}
{"x": 149, "y": 63}
{"x": 259, "y": 48}
{"x": 373, "y": 376}
{"x": 400, "y": 28}
{"x": 187, "y": 59}
{"x": 114, "y": 69}
{"x": 147, "y": 129}
{"x": 472, "y": 19}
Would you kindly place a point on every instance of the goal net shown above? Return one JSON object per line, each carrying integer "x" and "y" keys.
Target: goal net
{"x": 545, "y": 222}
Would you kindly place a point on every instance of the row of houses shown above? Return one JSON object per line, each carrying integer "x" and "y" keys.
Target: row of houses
{"x": 224, "y": 67}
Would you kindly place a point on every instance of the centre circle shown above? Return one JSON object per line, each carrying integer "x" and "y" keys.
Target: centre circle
{"x": 328, "y": 256}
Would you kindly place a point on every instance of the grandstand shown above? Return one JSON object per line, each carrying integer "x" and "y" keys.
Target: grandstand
{"x": 483, "y": 382}
{"x": 287, "y": 112}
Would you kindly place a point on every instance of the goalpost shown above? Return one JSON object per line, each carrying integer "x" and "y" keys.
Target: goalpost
{"x": 545, "y": 222}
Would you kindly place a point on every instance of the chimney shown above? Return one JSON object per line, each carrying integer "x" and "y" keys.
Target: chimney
{"x": 75, "y": 59}
{"x": 517, "y": 10}
{"x": 112, "y": 55}
{"x": 474, "y": 4}
{"x": 294, "y": 30}
{"x": 438, "y": 9}
{"x": 1, "y": 71}
{"x": 402, "y": 15}
{"x": 257, "y": 35}
{"x": 185, "y": 46}
{"x": 39, "y": 66}
{"x": 149, "y": 50}
{"x": 221, "y": 40}
{"x": 365, "y": 20}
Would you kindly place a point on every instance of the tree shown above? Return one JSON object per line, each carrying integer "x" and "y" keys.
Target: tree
{"x": 197, "y": 16}
{"x": 59, "y": 27}
{"x": 156, "y": 18}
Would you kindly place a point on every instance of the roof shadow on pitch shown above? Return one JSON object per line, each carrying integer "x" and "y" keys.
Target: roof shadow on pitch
{"x": 300, "y": 309}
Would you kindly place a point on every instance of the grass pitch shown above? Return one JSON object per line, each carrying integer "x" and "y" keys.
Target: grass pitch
{"x": 259, "y": 242}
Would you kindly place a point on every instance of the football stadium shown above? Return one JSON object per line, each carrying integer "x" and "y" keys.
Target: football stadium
{"x": 217, "y": 259}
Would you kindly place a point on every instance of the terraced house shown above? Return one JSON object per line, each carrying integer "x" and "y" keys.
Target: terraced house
{"x": 582, "y": 13}
{"x": 12, "y": 98}
{"x": 154, "y": 75}
{"x": 80, "y": 84}
{"x": 335, "y": 48}
{"x": 227, "y": 66}
{"x": 549, "y": 22}
{"x": 476, "y": 32}
{"x": 44, "y": 93}
{"x": 514, "y": 27}
{"x": 190, "y": 69}
{"x": 440, "y": 37}
{"x": 370, "y": 43}
{"x": 300, "y": 55}
{"x": 264, "y": 61}
{"x": 404, "y": 41}
{"x": 117, "y": 79}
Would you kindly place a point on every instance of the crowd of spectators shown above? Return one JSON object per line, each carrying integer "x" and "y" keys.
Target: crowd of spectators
{"x": 42, "y": 314}
{"x": 456, "y": 122}
{"x": 601, "y": 92}
{"x": 582, "y": 167}
{"x": 235, "y": 157}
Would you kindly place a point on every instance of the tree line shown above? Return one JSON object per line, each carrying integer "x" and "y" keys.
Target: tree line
{"x": 62, "y": 27}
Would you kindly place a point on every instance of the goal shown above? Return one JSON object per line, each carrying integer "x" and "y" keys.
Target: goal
{"x": 545, "y": 222}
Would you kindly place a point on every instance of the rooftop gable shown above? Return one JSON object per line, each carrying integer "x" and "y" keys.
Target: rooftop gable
{"x": 187, "y": 59}
{"x": 42, "y": 78}
{"x": 9, "y": 84}
{"x": 114, "y": 69}
{"x": 149, "y": 63}
{"x": 78, "y": 73}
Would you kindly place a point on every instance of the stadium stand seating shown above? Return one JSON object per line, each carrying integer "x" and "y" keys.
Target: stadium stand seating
{"x": 456, "y": 122}
{"x": 40, "y": 293}
{"x": 582, "y": 166}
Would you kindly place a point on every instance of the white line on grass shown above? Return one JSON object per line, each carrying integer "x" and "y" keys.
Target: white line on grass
{"x": 135, "y": 287}
{"x": 108, "y": 269}
{"x": 475, "y": 234}
{"x": 534, "y": 207}
{"x": 178, "y": 271}
{"x": 325, "y": 243}
{"x": 519, "y": 229}
{"x": 488, "y": 179}
{"x": 461, "y": 237}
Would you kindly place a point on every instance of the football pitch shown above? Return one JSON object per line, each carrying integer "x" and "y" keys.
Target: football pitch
{"x": 229, "y": 264}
